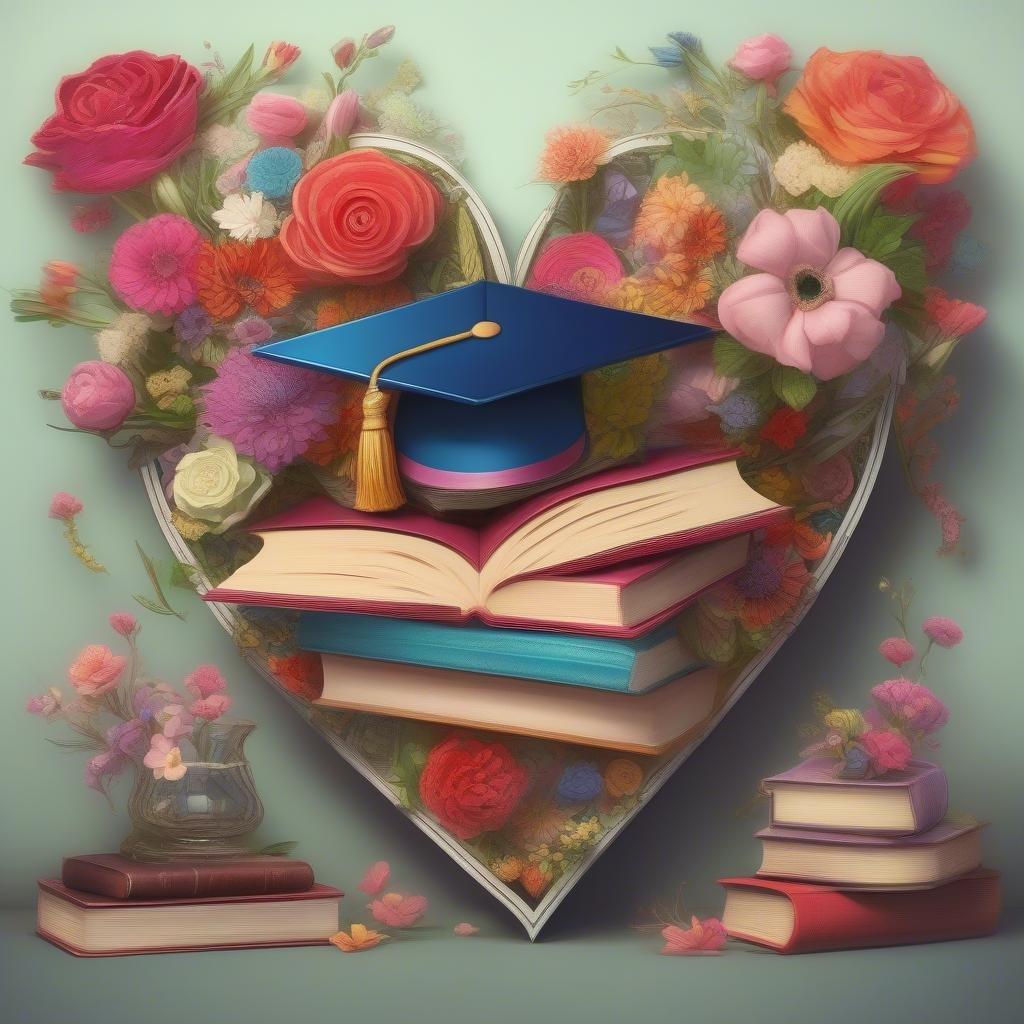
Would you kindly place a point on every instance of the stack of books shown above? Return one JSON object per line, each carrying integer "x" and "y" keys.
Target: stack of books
{"x": 551, "y": 618}
{"x": 107, "y": 905}
{"x": 850, "y": 863}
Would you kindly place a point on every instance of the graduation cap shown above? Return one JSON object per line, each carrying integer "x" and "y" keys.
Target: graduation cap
{"x": 490, "y": 381}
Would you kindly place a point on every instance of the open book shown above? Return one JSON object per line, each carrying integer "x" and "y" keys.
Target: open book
{"x": 324, "y": 557}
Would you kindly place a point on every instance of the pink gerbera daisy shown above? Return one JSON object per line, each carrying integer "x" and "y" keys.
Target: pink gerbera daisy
{"x": 153, "y": 264}
{"x": 269, "y": 411}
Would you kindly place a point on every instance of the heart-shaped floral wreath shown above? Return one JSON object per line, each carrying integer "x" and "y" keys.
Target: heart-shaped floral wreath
{"x": 807, "y": 227}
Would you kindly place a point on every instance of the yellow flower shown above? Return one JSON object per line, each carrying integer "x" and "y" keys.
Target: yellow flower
{"x": 189, "y": 528}
{"x": 166, "y": 385}
{"x": 358, "y": 938}
{"x": 847, "y": 721}
{"x": 618, "y": 402}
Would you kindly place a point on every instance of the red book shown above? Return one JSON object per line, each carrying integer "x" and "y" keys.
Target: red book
{"x": 322, "y": 556}
{"x": 88, "y": 925}
{"x": 109, "y": 874}
{"x": 797, "y": 917}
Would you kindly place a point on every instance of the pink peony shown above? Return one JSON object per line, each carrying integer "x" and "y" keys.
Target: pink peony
{"x": 153, "y": 264}
{"x": 911, "y": 704}
{"x": 763, "y": 58}
{"x": 175, "y": 722}
{"x": 897, "y": 650}
{"x": 97, "y": 396}
{"x": 124, "y": 623}
{"x": 65, "y": 506}
{"x": 397, "y": 911}
{"x": 211, "y": 707}
{"x": 205, "y": 681}
{"x": 464, "y": 928}
{"x": 942, "y": 631}
{"x": 103, "y": 767}
{"x": 96, "y": 670}
{"x": 164, "y": 758}
{"x": 816, "y": 307}
{"x": 579, "y": 266}
{"x": 889, "y": 750}
{"x": 702, "y": 938}
{"x": 275, "y": 118}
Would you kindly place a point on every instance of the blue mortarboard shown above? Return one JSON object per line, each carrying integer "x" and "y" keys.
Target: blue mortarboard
{"x": 490, "y": 379}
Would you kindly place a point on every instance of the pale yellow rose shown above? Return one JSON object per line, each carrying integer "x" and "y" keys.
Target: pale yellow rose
{"x": 217, "y": 487}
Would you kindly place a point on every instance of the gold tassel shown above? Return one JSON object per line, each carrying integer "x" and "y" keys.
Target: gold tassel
{"x": 378, "y": 486}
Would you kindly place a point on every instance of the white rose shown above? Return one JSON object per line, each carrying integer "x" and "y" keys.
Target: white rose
{"x": 217, "y": 487}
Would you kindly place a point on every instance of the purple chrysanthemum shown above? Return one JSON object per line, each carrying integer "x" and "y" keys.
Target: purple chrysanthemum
{"x": 267, "y": 410}
{"x": 193, "y": 326}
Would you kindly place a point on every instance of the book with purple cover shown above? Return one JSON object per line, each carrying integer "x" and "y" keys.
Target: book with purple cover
{"x": 810, "y": 796}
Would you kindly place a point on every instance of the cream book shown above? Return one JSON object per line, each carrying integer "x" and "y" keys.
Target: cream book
{"x": 519, "y": 568}
{"x": 647, "y": 723}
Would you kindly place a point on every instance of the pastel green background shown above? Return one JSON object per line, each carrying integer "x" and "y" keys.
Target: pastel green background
{"x": 499, "y": 74}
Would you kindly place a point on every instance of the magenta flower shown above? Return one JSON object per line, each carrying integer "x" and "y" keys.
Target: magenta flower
{"x": 398, "y": 911}
{"x": 212, "y": 707}
{"x": 205, "y": 681}
{"x": 270, "y": 411}
{"x": 897, "y": 650}
{"x": 702, "y": 938}
{"x": 124, "y": 623}
{"x": 65, "y": 506}
{"x": 153, "y": 264}
{"x": 911, "y": 704}
{"x": 888, "y": 750}
{"x": 942, "y": 631}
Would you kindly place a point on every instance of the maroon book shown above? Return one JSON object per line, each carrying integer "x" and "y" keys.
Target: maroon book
{"x": 88, "y": 925}
{"x": 109, "y": 874}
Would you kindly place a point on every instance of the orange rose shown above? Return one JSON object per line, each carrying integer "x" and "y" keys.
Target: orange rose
{"x": 867, "y": 107}
{"x": 356, "y": 217}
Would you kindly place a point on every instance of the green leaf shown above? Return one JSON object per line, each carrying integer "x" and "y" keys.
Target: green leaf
{"x": 733, "y": 360}
{"x": 278, "y": 849}
{"x": 715, "y": 160}
{"x": 881, "y": 236}
{"x": 162, "y": 606}
{"x": 152, "y": 606}
{"x": 908, "y": 266}
{"x": 860, "y": 200}
{"x": 793, "y": 386}
{"x": 471, "y": 262}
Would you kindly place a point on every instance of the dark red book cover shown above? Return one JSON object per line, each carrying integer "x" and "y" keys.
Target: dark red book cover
{"x": 109, "y": 874}
{"x": 827, "y": 919}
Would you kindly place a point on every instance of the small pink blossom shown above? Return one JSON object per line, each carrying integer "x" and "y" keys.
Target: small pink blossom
{"x": 398, "y": 911}
{"x": 465, "y": 928}
{"x": 124, "y": 623}
{"x": 945, "y": 632}
{"x": 344, "y": 52}
{"x": 233, "y": 178}
{"x": 897, "y": 650}
{"x": 89, "y": 217}
{"x": 164, "y": 758}
{"x": 103, "y": 767}
{"x": 763, "y": 58}
{"x": 376, "y": 877}
{"x": 65, "y": 506}
{"x": 380, "y": 36}
{"x": 911, "y": 704}
{"x": 342, "y": 115}
{"x": 96, "y": 670}
{"x": 205, "y": 681}
{"x": 888, "y": 750}
{"x": 702, "y": 938}
{"x": 252, "y": 330}
{"x": 276, "y": 117}
{"x": 211, "y": 707}
{"x": 46, "y": 704}
{"x": 175, "y": 721}
{"x": 280, "y": 56}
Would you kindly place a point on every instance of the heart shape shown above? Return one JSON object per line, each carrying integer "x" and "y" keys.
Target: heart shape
{"x": 369, "y": 743}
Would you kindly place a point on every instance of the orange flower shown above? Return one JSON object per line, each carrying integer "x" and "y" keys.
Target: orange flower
{"x": 809, "y": 544}
{"x": 535, "y": 881}
{"x": 675, "y": 213}
{"x": 705, "y": 235}
{"x": 673, "y": 288}
{"x": 867, "y": 107}
{"x": 343, "y": 435}
{"x": 236, "y": 275}
{"x": 354, "y": 302}
{"x": 358, "y": 938}
{"x": 767, "y": 589}
{"x": 572, "y": 153}
{"x": 301, "y": 674}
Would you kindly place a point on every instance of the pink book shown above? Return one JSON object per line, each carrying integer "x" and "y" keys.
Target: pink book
{"x": 810, "y": 796}
{"x": 558, "y": 561}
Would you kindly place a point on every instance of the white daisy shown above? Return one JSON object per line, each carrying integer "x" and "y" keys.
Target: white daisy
{"x": 247, "y": 217}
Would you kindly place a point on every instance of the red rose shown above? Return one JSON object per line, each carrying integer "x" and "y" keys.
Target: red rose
{"x": 471, "y": 787}
{"x": 118, "y": 123}
{"x": 357, "y": 216}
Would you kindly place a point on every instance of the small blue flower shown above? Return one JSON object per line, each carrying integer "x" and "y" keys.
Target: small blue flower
{"x": 855, "y": 764}
{"x": 273, "y": 171}
{"x": 667, "y": 56}
{"x": 580, "y": 782}
{"x": 738, "y": 412}
{"x": 686, "y": 40}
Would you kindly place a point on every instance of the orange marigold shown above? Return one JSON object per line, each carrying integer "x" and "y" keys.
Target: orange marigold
{"x": 235, "y": 275}
{"x": 666, "y": 211}
{"x": 343, "y": 435}
{"x": 675, "y": 287}
{"x": 572, "y": 153}
{"x": 358, "y": 301}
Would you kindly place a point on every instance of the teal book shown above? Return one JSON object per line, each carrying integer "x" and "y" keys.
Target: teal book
{"x": 601, "y": 663}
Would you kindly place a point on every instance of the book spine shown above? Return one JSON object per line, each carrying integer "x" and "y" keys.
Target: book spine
{"x": 170, "y": 881}
{"x": 929, "y": 798}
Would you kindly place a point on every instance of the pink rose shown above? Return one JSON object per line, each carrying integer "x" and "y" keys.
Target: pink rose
{"x": 831, "y": 480}
{"x": 275, "y": 117}
{"x": 205, "y": 681}
{"x": 124, "y": 623}
{"x": 119, "y": 123}
{"x": 897, "y": 650}
{"x": 96, "y": 670}
{"x": 579, "y": 266}
{"x": 763, "y": 59}
{"x": 97, "y": 396}
{"x": 816, "y": 307}
{"x": 397, "y": 911}
{"x": 211, "y": 707}
{"x": 889, "y": 751}
{"x": 65, "y": 506}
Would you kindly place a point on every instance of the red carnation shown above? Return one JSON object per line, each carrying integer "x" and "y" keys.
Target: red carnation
{"x": 471, "y": 787}
{"x": 785, "y": 427}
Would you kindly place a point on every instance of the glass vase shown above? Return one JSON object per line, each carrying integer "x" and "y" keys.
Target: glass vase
{"x": 207, "y": 813}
